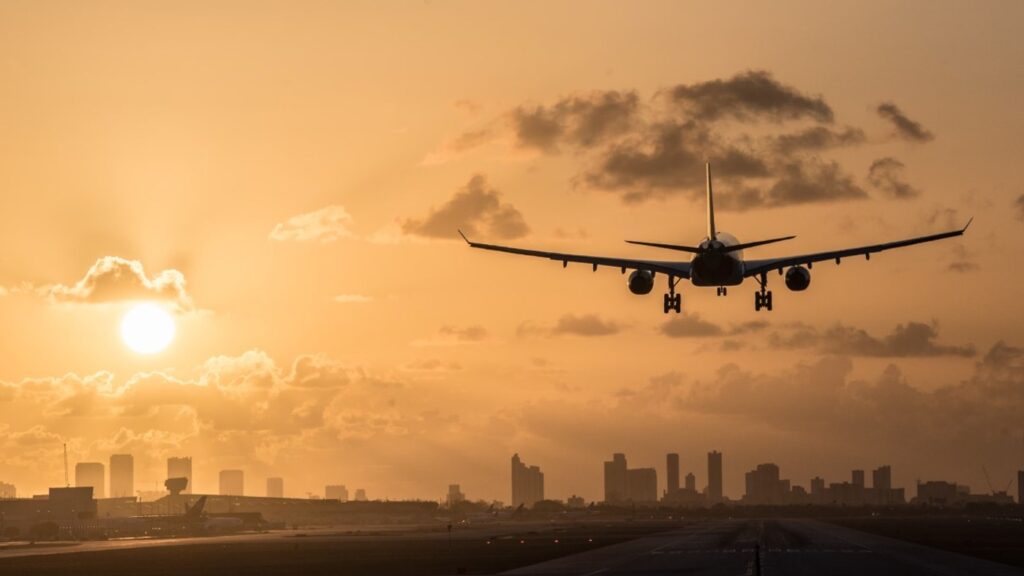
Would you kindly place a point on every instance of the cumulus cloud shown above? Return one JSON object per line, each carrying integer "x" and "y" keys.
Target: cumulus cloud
{"x": 352, "y": 299}
{"x": 586, "y": 325}
{"x": 913, "y": 339}
{"x": 816, "y": 138}
{"x": 475, "y": 208}
{"x": 886, "y": 175}
{"x": 112, "y": 279}
{"x": 583, "y": 121}
{"x": 813, "y": 181}
{"x": 754, "y": 94}
{"x": 690, "y": 325}
{"x": 906, "y": 128}
{"x": 474, "y": 333}
{"x": 324, "y": 225}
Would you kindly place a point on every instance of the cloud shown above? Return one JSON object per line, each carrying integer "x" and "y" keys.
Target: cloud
{"x": 690, "y": 326}
{"x": 905, "y": 127}
{"x": 474, "y": 333}
{"x": 886, "y": 175}
{"x": 585, "y": 325}
{"x": 113, "y": 279}
{"x": 813, "y": 181}
{"x": 818, "y": 138}
{"x": 963, "y": 261}
{"x": 324, "y": 225}
{"x": 352, "y": 299}
{"x": 583, "y": 121}
{"x": 913, "y": 339}
{"x": 751, "y": 95}
{"x": 475, "y": 208}
{"x": 1018, "y": 205}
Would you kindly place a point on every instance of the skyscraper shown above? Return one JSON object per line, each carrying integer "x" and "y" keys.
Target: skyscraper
{"x": 642, "y": 485}
{"x": 714, "y": 477}
{"x": 232, "y": 483}
{"x": 91, "y": 474}
{"x": 691, "y": 482}
{"x": 455, "y": 495}
{"x": 7, "y": 491}
{"x": 858, "y": 478}
{"x": 615, "y": 480}
{"x": 275, "y": 487}
{"x": 122, "y": 476}
{"x": 527, "y": 483}
{"x": 336, "y": 492}
{"x": 672, "y": 472}
{"x": 181, "y": 468}
{"x": 360, "y": 495}
{"x": 881, "y": 478}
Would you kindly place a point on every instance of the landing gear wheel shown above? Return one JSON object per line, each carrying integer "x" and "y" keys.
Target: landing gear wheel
{"x": 673, "y": 302}
{"x": 763, "y": 300}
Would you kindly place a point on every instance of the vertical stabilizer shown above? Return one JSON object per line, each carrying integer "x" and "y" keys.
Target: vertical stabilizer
{"x": 712, "y": 234}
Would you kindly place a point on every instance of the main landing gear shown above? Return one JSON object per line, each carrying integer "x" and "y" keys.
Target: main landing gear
{"x": 763, "y": 297}
{"x": 673, "y": 301}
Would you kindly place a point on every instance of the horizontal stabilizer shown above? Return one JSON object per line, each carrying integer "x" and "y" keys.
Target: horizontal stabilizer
{"x": 690, "y": 249}
{"x": 758, "y": 243}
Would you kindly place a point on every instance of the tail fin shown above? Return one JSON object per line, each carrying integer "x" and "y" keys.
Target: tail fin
{"x": 712, "y": 233}
{"x": 197, "y": 509}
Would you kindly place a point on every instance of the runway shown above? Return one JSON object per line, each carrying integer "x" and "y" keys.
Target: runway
{"x": 765, "y": 547}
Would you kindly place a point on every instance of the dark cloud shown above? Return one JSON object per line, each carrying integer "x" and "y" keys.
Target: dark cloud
{"x": 963, "y": 261}
{"x": 913, "y": 339}
{"x": 818, "y": 138}
{"x": 473, "y": 333}
{"x": 669, "y": 158}
{"x": 112, "y": 279}
{"x": 586, "y": 325}
{"x": 583, "y": 121}
{"x": 690, "y": 326}
{"x": 886, "y": 175}
{"x": 812, "y": 181}
{"x": 751, "y": 95}
{"x": 476, "y": 207}
{"x": 905, "y": 127}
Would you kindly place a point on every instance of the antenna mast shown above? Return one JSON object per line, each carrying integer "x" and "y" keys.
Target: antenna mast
{"x": 66, "y": 483}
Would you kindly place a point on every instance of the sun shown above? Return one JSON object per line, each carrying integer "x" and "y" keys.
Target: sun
{"x": 147, "y": 328}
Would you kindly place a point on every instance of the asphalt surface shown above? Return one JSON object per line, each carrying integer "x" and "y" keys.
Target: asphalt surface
{"x": 764, "y": 547}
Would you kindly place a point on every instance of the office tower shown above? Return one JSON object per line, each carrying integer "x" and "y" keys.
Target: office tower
{"x": 232, "y": 483}
{"x": 818, "y": 489}
{"x": 691, "y": 482}
{"x": 7, "y": 491}
{"x": 615, "y": 481}
{"x": 91, "y": 474}
{"x": 714, "y": 477}
{"x": 336, "y": 492}
{"x": 181, "y": 468}
{"x": 122, "y": 476}
{"x": 360, "y": 495}
{"x": 858, "y": 478}
{"x": 275, "y": 487}
{"x": 765, "y": 487}
{"x": 455, "y": 495}
{"x": 642, "y": 485}
{"x": 527, "y": 483}
{"x": 672, "y": 472}
{"x": 881, "y": 479}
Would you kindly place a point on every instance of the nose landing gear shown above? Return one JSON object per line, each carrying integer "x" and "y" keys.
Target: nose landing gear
{"x": 723, "y": 291}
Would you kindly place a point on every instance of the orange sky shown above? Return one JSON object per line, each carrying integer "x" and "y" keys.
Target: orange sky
{"x": 300, "y": 169}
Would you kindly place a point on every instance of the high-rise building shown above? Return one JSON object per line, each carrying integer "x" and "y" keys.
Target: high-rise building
{"x": 7, "y": 491}
{"x": 691, "y": 482}
{"x": 881, "y": 478}
{"x": 275, "y": 487}
{"x": 818, "y": 490}
{"x": 455, "y": 495}
{"x": 181, "y": 468}
{"x": 714, "y": 477}
{"x": 232, "y": 483}
{"x": 642, "y": 485}
{"x": 91, "y": 474}
{"x": 360, "y": 495}
{"x": 527, "y": 483}
{"x": 672, "y": 472}
{"x": 858, "y": 478}
{"x": 765, "y": 487}
{"x": 615, "y": 481}
{"x": 336, "y": 492}
{"x": 122, "y": 476}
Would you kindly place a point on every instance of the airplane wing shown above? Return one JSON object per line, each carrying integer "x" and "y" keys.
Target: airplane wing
{"x": 677, "y": 269}
{"x": 755, "y": 267}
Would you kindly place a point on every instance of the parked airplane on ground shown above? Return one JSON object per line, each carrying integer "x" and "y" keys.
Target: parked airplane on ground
{"x": 717, "y": 261}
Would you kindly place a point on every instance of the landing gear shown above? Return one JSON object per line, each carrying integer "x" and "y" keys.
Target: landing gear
{"x": 763, "y": 297}
{"x": 673, "y": 301}
{"x": 723, "y": 291}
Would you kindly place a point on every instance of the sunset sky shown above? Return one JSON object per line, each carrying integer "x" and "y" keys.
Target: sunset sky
{"x": 287, "y": 178}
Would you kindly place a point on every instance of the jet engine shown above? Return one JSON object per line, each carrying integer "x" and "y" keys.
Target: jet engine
{"x": 641, "y": 282}
{"x": 798, "y": 278}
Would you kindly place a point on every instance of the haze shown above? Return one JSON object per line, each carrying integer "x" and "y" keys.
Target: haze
{"x": 290, "y": 182}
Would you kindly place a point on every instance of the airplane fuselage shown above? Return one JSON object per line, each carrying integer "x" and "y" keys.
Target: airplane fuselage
{"x": 714, "y": 267}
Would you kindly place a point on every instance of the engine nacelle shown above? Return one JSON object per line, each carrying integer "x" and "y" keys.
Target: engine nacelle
{"x": 641, "y": 282}
{"x": 798, "y": 278}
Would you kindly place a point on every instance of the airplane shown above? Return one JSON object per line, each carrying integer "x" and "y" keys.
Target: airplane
{"x": 194, "y": 521}
{"x": 717, "y": 261}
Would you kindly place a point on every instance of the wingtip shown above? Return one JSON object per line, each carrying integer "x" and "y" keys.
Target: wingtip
{"x": 968, "y": 225}
{"x": 464, "y": 238}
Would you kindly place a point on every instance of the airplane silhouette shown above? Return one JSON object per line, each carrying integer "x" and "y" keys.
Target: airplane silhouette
{"x": 717, "y": 261}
